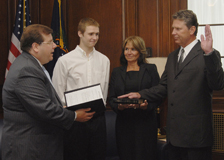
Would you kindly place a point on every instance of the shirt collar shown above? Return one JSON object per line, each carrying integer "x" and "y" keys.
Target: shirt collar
{"x": 84, "y": 53}
{"x": 37, "y": 60}
{"x": 188, "y": 48}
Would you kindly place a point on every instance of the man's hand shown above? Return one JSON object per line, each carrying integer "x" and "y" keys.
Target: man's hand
{"x": 83, "y": 115}
{"x": 131, "y": 95}
{"x": 206, "y": 42}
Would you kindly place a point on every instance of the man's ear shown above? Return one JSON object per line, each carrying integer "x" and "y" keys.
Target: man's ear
{"x": 35, "y": 47}
{"x": 80, "y": 34}
{"x": 192, "y": 30}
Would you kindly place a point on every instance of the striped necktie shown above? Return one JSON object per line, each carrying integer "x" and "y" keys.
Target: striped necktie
{"x": 180, "y": 59}
{"x": 181, "y": 56}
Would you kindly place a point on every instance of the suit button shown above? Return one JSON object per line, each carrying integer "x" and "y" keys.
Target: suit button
{"x": 173, "y": 91}
{"x": 171, "y": 104}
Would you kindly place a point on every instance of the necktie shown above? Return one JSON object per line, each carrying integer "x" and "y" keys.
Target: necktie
{"x": 47, "y": 74}
{"x": 181, "y": 58}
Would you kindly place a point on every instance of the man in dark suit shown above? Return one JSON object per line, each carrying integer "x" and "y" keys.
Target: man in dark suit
{"x": 34, "y": 117}
{"x": 189, "y": 78}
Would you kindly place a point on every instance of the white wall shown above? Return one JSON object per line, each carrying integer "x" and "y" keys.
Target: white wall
{"x": 160, "y": 62}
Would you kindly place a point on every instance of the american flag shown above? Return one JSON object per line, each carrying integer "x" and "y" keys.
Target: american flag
{"x": 21, "y": 22}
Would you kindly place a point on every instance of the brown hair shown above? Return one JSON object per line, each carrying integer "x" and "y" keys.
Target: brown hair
{"x": 33, "y": 33}
{"x": 139, "y": 44}
{"x": 87, "y": 22}
{"x": 189, "y": 17}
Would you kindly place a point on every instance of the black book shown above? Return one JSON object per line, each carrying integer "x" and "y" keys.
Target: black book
{"x": 86, "y": 97}
{"x": 128, "y": 101}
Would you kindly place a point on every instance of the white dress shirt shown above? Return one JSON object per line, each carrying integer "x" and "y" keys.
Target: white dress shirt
{"x": 187, "y": 49}
{"x": 75, "y": 70}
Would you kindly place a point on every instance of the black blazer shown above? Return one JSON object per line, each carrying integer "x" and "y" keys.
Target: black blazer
{"x": 189, "y": 91}
{"x": 148, "y": 77}
{"x": 135, "y": 125}
{"x": 33, "y": 115}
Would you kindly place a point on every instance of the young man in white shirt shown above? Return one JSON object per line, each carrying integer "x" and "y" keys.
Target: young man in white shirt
{"x": 84, "y": 66}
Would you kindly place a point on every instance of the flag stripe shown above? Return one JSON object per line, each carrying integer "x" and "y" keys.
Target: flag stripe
{"x": 11, "y": 58}
{"x": 8, "y": 65}
{"x": 16, "y": 42}
{"x": 22, "y": 21}
{"x": 14, "y": 50}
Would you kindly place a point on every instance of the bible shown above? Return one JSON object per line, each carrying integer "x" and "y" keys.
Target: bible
{"x": 128, "y": 101}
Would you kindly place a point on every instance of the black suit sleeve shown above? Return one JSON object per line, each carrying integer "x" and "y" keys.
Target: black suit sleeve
{"x": 215, "y": 73}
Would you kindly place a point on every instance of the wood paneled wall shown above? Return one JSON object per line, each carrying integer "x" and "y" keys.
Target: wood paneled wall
{"x": 150, "y": 19}
{"x": 109, "y": 16}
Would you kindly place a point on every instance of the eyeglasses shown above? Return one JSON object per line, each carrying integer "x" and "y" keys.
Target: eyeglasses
{"x": 50, "y": 43}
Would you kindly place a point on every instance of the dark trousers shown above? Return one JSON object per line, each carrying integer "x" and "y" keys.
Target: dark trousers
{"x": 86, "y": 141}
{"x": 180, "y": 153}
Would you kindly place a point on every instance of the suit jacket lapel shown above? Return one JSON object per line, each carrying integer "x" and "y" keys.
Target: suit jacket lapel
{"x": 29, "y": 56}
{"x": 191, "y": 55}
{"x": 123, "y": 73}
{"x": 123, "y": 76}
{"x": 175, "y": 61}
{"x": 39, "y": 67}
{"x": 141, "y": 73}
